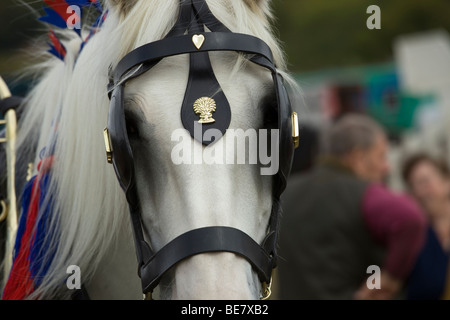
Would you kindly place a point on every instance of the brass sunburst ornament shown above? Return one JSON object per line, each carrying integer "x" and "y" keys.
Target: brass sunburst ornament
{"x": 204, "y": 107}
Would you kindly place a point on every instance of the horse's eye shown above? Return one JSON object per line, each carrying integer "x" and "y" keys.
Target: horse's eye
{"x": 132, "y": 129}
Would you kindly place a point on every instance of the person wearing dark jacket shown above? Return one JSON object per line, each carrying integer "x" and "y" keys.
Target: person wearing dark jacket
{"x": 340, "y": 222}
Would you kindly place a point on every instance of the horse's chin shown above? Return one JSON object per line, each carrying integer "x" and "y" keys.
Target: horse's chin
{"x": 211, "y": 276}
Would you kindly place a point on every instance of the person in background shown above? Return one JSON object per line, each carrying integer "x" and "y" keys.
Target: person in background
{"x": 338, "y": 220}
{"x": 428, "y": 180}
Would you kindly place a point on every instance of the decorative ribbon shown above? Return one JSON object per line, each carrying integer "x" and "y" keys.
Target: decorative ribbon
{"x": 58, "y": 14}
{"x": 31, "y": 259}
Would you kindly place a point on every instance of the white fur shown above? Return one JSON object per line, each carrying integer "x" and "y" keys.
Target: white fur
{"x": 93, "y": 216}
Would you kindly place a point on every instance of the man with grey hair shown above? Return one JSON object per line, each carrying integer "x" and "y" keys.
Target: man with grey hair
{"x": 359, "y": 143}
{"x": 344, "y": 235}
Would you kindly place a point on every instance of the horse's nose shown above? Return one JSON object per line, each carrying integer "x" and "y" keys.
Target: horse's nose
{"x": 212, "y": 276}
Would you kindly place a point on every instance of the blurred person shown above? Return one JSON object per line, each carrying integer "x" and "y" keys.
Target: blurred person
{"x": 428, "y": 180}
{"x": 338, "y": 220}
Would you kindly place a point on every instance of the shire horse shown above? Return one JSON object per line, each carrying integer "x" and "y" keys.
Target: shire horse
{"x": 75, "y": 213}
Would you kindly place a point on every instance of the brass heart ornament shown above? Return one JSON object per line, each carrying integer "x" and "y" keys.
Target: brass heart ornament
{"x": 198, "y": 40}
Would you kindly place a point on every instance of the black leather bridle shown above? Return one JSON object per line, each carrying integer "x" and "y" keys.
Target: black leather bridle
{"x": 194, "y": 17}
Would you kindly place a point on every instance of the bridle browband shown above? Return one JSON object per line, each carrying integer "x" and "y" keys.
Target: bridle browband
{"x": 188, "y": 36}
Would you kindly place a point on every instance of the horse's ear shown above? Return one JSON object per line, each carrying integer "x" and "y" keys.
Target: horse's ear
{"x": 123, "y": 5}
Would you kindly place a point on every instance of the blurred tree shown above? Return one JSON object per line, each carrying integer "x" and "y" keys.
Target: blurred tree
{"x": 16, "y": 23}
{"x": 330, "y": 33}
{"x": 18, "y": 26}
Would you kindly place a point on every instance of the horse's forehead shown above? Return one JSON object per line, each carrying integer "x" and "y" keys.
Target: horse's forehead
{"x": 159, "y": 93}
{"x": 167, "y": 78}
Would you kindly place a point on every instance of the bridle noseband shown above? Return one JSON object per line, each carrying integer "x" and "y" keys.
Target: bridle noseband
{"x": 188, "y": 36}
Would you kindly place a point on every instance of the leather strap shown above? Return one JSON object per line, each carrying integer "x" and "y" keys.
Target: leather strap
{"x": 123, "y": 160}
{"x": 214, "y": 41}
{"x": 10, "y": 103}
{"x": 184, "y": 19}
{"x": 202, "y": 82}
{"x": 206, "y": 17}
{"x": 203, "y": 240}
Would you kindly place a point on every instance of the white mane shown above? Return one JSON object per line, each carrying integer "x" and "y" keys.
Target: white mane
{"x": 92, "y": 210}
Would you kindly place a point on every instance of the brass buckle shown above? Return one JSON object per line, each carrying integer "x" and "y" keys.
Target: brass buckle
{"x": 108, "y": 146}
{"x": 148, "y": 296}
{"x": 267, "y": 290}
{"x": 295, "y": 130}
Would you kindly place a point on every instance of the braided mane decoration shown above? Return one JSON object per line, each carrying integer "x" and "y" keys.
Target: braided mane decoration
{"x": 34, "y": 240}
{"x": 60, "y": 14}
